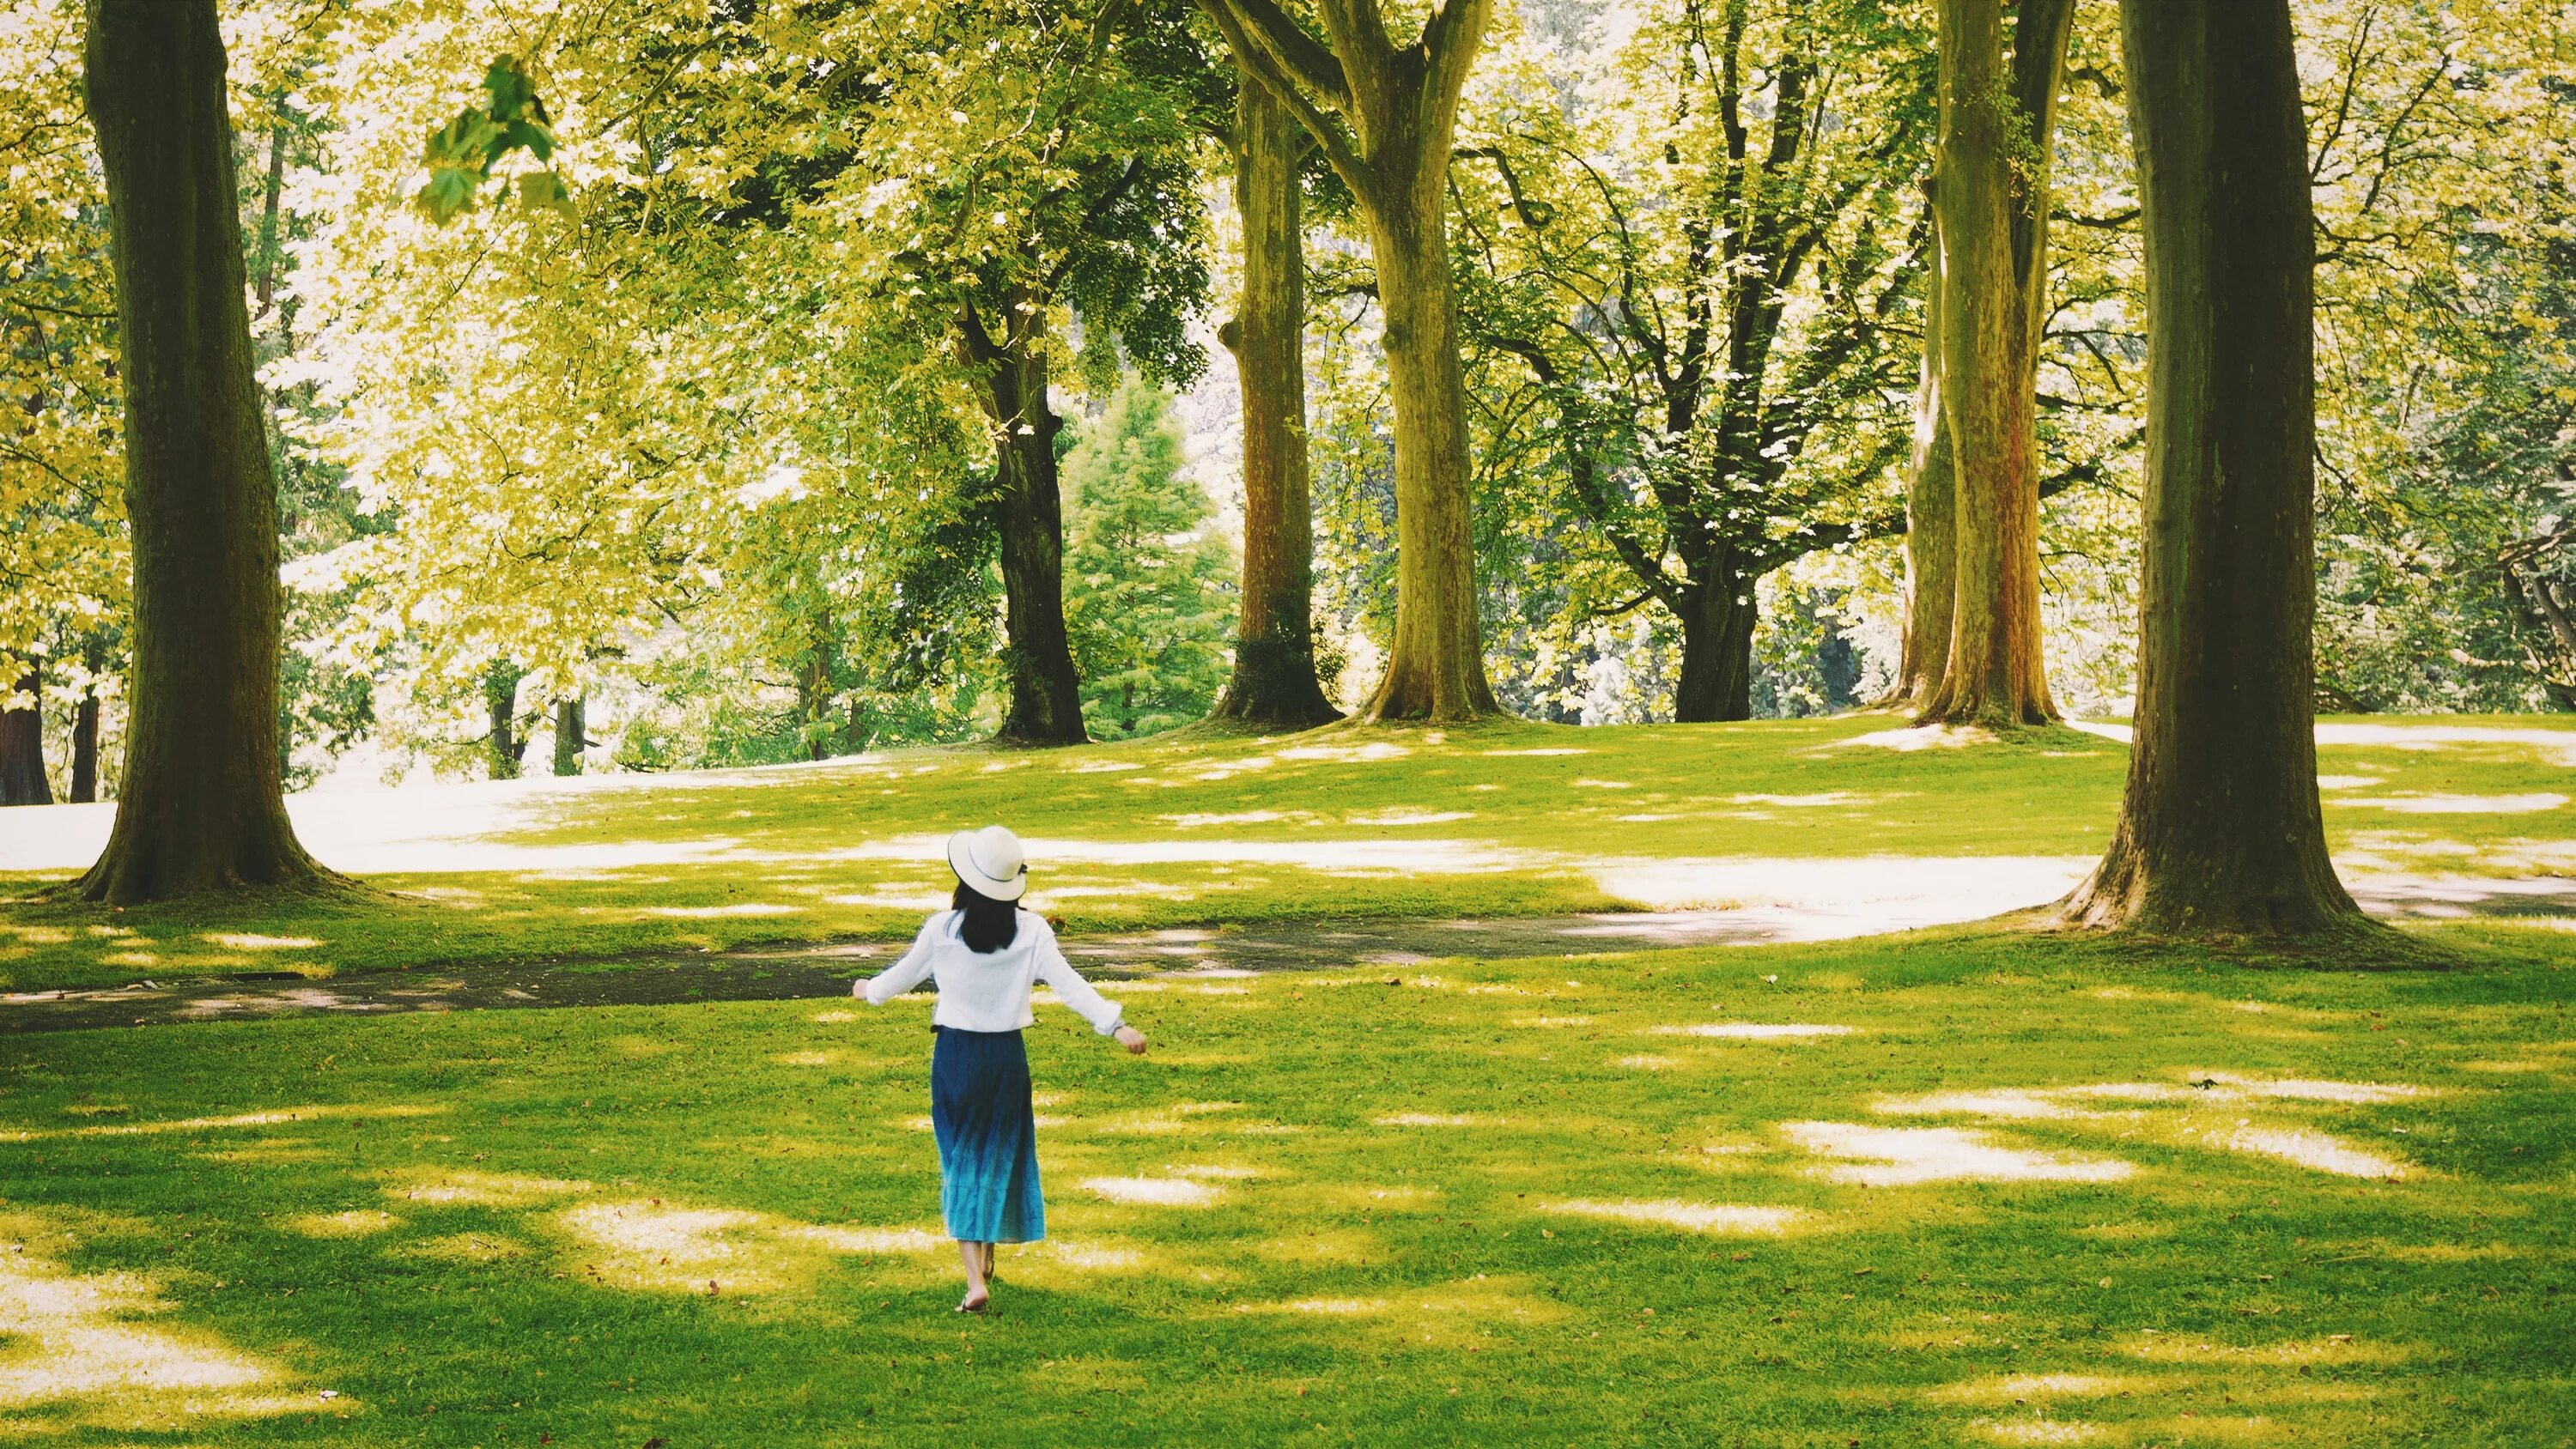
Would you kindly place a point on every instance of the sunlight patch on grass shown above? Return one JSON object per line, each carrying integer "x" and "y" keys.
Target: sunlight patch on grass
{"x": 480, "y": 1189}
{"x": 1920, "y": 737}
{"x": 1174, "y": 1118}
{"x": 272, "y": 1118}
{"x": 2459, "y": 804}
{"x": 2314, "y": 1150}
{"x": 1907, "y": 1156}
{"x": 2338, "y": 1350}
{"x": 240, "y": 941}
{"x": 1724, "y": 1219}
{"x": 657, "y": 1246}
{"x": 355, "y": 1223}
{"x": 1757, "y": 1030}
{"x": 1330, "y": 1307}
{"x": 1408, "y": 816}
{"x": 1648, "y": 1062}
{"x": 2346, "y": 782}
{"x": 1153, "y": 1191}
{"x": 2040, "y": 1431}
{"x": 709, "y": 913}
{"x": 1425, "y": 1119}
{"x": 2001, "y": 1390}
{"x": 70, "y": 1337}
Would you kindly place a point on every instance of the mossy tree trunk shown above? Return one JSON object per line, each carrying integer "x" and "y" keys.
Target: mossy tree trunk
{"x": 1990, "y": 191}
{"x": 1931, "y": 513}
{"x": 503, "y": 748}
{"x": 1046, "y": 694}
{"x": 1274, "y": 683}
{"x": 85, "y": 748}
{"x": 1386, "y": 117}
{"x": 201, "y": 807}
{"x": 2220, "y": 831}
{"x": 22, "y": 746}
{"x": 1717, "y": 614}
{"x": 572, "y": 734}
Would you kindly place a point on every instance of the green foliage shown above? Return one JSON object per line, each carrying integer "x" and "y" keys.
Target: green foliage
{"x": 461, "y": 154}
{"x": 1148, "y": 586}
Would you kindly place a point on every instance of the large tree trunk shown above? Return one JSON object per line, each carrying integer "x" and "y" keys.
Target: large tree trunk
{"x": 572, "y": 734}
{"x": 1717, "y": 648}
{"x": 1435, "y": 667}
{"x": 1385, "y": 114}
{"x": 1046, "y": 695}
{"x": 1931, "y": 518}
{"x": 22, "y": 747}
{"x": 1274, "y": 682}
{"x": 85, "y": 748}
{"x": 1991, "y": 193}
{"x": 201, "y": 806}
{"x": 2219, "y": 831}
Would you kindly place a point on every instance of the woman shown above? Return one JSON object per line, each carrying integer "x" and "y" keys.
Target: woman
{"x": 986, "y": 954}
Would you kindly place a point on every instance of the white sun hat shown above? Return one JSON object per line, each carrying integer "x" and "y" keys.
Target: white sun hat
{"x": 990, "y": 861}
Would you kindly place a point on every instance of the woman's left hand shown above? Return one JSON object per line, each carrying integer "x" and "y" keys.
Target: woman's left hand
{"x": 1132, "y": 1039}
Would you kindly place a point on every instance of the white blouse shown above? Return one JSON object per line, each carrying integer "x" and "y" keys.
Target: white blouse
{"x": 990, "y": 991}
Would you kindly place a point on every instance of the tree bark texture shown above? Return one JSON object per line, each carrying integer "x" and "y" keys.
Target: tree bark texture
{"x": 2219, "y": 831}
{"x": 1990, "y": 190}
{"x": 1717, "y": 621}
{"x": 1046, "y": 695}
{"x": 85, "y": 749}
{"x": 572, "y": 735}
{"x": 502, "y": 747}
{"x": 1435, "y": 668}
{"x": 201, "y": 807}
{"x": 1274, "y": 683}
{"x": 22, "y": 746}
{"x": 1931, "y": 517}
{"x": 1386, "y": 115}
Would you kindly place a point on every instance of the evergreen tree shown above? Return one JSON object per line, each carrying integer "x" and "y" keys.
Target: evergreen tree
{"x": 1148, "y": 586}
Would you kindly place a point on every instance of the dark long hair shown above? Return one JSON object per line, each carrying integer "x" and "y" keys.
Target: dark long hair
{"x": 984, "y": 924}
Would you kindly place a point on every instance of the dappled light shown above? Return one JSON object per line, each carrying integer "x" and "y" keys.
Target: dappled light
{"x": 1906, "y": 1156}
{"x": 1723, "y": 1219}
{"x": 104, "y": 1345}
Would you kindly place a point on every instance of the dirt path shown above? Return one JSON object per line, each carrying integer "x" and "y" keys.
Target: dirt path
{"x": 806, "y": 972}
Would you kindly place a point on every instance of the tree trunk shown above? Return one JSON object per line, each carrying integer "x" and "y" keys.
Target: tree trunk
{"x": 1931, "y": 520}
{"x": 502, "y": 747}
{"x": 2219, "y": 831}
{"x": 22, "y": 747}
{"x": 1435, "y": 668}
{"x": 1385, "y": 114}
{"x": 1991, "y": 192}
{"x": 572, "y": 735}
{"x": 1046, "y": 695}
{"x": 1717, "y": 649}
{"x": 1274, "y": 683}
{"x": 201, "y": 806}
{"x": 85, "y": 748}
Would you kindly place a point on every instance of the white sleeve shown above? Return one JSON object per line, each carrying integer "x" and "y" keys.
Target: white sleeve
{"x": 1105, "y": 1015}
{"x": 905, "y": 974}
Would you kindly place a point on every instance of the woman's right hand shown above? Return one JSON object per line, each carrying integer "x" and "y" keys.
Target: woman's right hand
{"x": 1132, "y": 1039}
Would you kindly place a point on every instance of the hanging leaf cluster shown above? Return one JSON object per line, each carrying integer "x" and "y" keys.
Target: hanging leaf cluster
{"x": 461, "y": 154}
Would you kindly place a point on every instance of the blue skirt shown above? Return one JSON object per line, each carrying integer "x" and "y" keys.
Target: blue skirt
{"x": 988, "y": 1137}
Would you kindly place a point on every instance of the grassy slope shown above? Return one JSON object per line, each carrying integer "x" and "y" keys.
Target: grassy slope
{"x": 434, "y": 1234}
{"x": 1503, "y": 819}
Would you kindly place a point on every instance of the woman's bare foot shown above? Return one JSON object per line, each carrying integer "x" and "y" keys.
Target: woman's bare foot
{"x": 992, "y": 1260}
{"x": 976, "y": 1298}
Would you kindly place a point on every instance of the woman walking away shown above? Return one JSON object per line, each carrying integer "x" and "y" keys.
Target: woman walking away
{"x": 986, "y": 955}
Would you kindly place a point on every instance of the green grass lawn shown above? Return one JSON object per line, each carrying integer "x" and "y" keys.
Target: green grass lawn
{"x": 2028, "y": 1191}
{"x": 1207, "y": 828}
